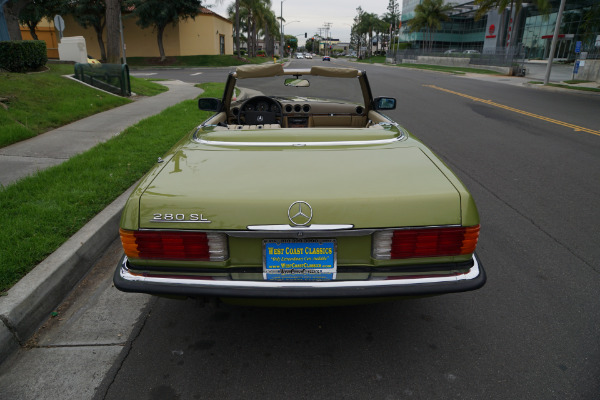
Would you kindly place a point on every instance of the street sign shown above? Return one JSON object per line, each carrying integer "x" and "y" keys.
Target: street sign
{"x": 576, "y": 68}
{"x": 577, "y": 47}
{"x": 59, "y": 24}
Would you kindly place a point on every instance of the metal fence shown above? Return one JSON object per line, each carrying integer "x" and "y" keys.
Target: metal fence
{"x": 113, "y": 78}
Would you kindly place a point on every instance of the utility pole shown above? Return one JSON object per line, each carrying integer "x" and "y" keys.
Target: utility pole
{"x": 327, "y": 26}
{"x": 281, "y": 22}
{"x": 554, "y": 41}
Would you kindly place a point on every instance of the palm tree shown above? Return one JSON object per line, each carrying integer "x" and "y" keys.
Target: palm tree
{"x": 240, "y": 16}
{"x": 366, "y": 25}
{"x": 258, "y": 19}
{"x": 270, "y": 28}
{"x": 428, "y": 16}
{"x": 237, "y": 27}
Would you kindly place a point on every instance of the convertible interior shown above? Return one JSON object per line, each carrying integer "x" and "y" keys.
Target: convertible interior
{"x": 248, "y": 109}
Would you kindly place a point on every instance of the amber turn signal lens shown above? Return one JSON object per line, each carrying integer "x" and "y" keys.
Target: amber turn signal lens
{"x": 174, "y": 245}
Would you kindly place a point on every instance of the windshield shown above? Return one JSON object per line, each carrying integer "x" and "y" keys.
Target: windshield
{"x": 340, "y": 89}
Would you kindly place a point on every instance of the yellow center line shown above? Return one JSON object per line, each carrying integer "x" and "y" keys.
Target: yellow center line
{"x": 576, "y": 128}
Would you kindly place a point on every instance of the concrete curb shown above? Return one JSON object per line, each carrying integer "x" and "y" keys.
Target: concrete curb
{"x": 560, "y": 89}
{"x": 31, "y": 301}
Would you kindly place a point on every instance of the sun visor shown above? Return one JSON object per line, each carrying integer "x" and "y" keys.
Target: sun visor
{"x": 334, "y": 72}
{"x": 258, "y": 71}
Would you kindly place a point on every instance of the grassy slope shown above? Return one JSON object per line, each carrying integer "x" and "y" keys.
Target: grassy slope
{"x": 42, "y": 101}
{"x": 41, "y": 212}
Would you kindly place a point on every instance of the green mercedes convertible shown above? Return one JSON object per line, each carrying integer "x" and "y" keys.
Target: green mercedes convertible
{"x": 299, "y": 188}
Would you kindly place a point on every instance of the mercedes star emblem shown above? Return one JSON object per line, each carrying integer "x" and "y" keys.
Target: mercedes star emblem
{"x": 300, "y": 213}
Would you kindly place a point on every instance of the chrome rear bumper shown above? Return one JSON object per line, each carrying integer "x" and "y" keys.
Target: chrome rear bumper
{"x": 127, "y": 281}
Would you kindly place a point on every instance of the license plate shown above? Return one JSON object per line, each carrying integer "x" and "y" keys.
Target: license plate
{"x": 299, "y": 260}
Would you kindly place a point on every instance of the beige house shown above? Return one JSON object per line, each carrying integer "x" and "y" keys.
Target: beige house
{"x": 45, "y": 31}
{"x": 207, "y": 34}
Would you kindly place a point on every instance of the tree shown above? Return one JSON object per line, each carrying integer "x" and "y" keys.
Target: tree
{"x": 428, "y": 16}
{"x": 237, "y": 26}
{"x": 356, "y": 30}
{"x": 392, "y": 17}
{"x": 393, "y": 10}
{"x": 267, "y": 20}
{"x": 113, "y": 30}
{"x": 90, "y": 13}
{"x": 291, "y": 43}
{"x": 159, "y": 14}
{"x": 238, "y": 16}
{"x": 34, "y": 11}
{"x": 310, "y": 45}
{"x": 369, "y": 22}
{"x": 12, "y": 9}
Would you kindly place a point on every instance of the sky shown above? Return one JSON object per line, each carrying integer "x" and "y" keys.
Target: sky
{"x": 314, "y": 14}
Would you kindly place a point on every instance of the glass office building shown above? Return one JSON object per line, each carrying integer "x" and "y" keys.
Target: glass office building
{"x": 531, "y": 30}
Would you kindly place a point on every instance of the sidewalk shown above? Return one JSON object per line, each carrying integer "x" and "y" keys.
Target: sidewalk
{"x": 51, "y": 148}
{"x": 30, "y": 302}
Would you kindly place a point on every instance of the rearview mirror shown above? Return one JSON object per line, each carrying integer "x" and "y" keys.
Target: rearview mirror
{"x": 385, "y": 103}
{"x": 295, "y": 82}
{"x": 209, "y": 104}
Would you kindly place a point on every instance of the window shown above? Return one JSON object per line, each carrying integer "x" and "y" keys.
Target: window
{"x": 221, "y": 44}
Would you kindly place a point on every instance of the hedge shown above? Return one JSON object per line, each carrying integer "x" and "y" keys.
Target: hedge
{"x": 23, "y": 55}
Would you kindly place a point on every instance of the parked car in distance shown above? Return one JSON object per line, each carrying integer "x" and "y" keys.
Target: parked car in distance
{"x": 295, "y": 193}
{"x": 471, "y": 52}
{"x": 451, "y": 51}
{"x": 326, "y": 58}
{"x": 92, "y": 60}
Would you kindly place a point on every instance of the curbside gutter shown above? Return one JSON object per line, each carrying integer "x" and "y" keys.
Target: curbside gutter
{"x": 31, "y": 301}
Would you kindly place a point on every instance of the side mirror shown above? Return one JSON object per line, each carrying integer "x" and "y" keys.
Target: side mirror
{"x": 384, "y": 103}
{"x": 209, "y": 104}
{"x": 295, "y": 82}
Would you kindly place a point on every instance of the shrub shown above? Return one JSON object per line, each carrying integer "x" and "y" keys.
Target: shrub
{"x": 21, "y": 56}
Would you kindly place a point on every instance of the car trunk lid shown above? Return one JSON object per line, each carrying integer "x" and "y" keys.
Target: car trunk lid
{"x": 362, "y": 186}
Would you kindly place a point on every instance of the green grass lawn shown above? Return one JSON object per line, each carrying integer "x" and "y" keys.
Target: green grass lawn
{"x": 455, "y": 70}
{"x": 38, "y": 102}
{"x": 39, "y": 213}
{"x": 441, "y": 68}
{"x": 195, "y": 61}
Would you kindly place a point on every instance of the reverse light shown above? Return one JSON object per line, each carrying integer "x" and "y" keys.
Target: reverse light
{"x": 424, "y": 242}
{"x": 171, "y": 245}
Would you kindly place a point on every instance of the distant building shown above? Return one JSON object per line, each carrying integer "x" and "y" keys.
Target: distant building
{"x": 207, "y": 34}
{"x": 532, "y": 31}
{"x": 45, "y": 31}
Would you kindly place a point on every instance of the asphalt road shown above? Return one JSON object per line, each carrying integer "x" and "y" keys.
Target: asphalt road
{"x": 532, "y": 160}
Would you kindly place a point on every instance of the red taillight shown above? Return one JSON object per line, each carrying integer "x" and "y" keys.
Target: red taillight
{"x": 166, "y": 245}
{"x": 424, "y": 242}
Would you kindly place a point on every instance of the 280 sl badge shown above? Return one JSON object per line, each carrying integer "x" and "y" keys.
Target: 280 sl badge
{"x": 190, "y": 218}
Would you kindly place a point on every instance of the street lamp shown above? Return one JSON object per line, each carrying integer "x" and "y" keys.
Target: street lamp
{"x": 281, "y": 27}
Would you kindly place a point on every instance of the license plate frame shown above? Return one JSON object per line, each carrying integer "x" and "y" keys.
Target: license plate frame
{"x": 299, "y": 259}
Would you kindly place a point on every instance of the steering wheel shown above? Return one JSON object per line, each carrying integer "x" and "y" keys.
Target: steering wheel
{"x": 260, "y": 110}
